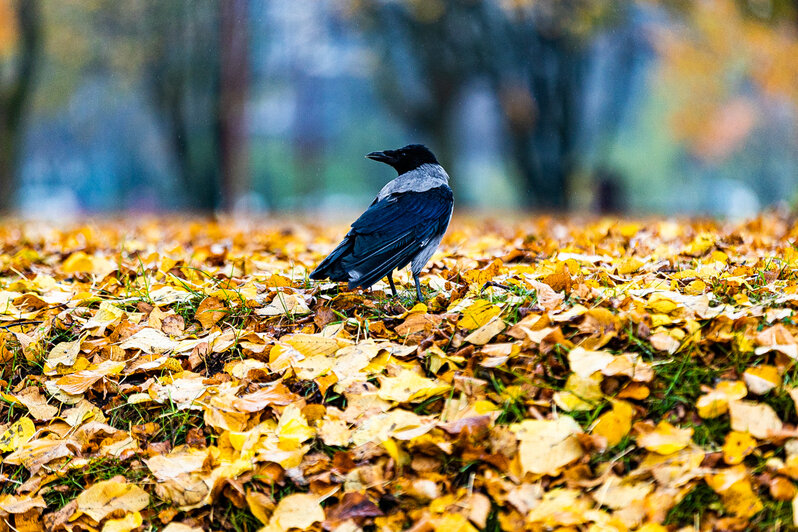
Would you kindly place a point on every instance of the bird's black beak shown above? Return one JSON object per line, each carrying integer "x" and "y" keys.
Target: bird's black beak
{"x": 387, "y": 156}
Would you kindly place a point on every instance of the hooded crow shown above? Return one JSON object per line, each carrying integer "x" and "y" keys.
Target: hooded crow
{"x": 403, "y": 225}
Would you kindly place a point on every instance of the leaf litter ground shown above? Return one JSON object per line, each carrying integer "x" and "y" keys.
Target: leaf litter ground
{"x": 602, "y": 375}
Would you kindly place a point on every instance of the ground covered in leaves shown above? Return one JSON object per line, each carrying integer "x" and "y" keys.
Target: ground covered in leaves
{"x": 600, "y": 375}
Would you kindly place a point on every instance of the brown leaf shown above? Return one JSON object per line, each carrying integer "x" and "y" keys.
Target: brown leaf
{"x": 353, "y": 505}
{"x": 210, "y": 311}
{"x": 173, "y": 324}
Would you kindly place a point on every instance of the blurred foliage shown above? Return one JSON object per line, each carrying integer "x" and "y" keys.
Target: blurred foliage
{"x": 731, "y": 51}
{"x": 727, "y": 72}
{"x": 8, "y": 28}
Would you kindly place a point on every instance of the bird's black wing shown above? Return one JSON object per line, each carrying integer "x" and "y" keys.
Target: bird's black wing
{"x": 388, "y": 235}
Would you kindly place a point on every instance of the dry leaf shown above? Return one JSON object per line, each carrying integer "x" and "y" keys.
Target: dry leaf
{"x": 665, "y": 438}
{"x": 758, "y": 419}
{"x": 547, "y": 446}
{"x": 210, "y": 311}
{"x": 298, "y": 510}
{"x": 106, "y": 496}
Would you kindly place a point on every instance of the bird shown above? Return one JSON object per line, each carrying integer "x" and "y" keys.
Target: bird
{"x": 403, "y": 225}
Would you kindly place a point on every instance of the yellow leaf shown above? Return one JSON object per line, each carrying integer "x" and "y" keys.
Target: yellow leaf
{"x": 546, "y": 446}
{"x": 106, "y": 496}
{"x": 180, "y": 461}
{"x": 664, "y": 342}
{"x": 695, "y": 288}
{"x": 617, "y": 493}
{"x": 480, "y": 277}
{"x": 615, "y": 424}
{"x": 629, "y": 265}
{"x": 737, "y": 446}
{"x": 662, "y": 303}
{"x": 299, "y": 510}
{"x": 259, "y": 504}
{"x": 62, "y": 354}
{"x": 652, "y": 527}
{"x": 35, "y": 402}
{"x": 665, "y": 438}
{"x": 716, "y": 402}
{"x": 150, "y": 341}
{"x": 17, "y": 434}
{"x": 580, "y": 393}
{"x": 334, "y": 432}
{"x": 409, "y": 386}
{"x": 20, "y": 504}
{"x": 78, "y": 382}
{"x": 210, "y": 311}
{"x": 478, "y": 314}
{"x": 777, "y": 338}
{"x": 734, "y": 487}
{"x": 418, "y": 308}
{"x": 585, "y": 363}
{"x": 453, "y": 522}
{"x": 285, "y": 305}
{"x": 700, "y": 245}
{"x": 293, "y": 428}
{"x": 106, "y": 315}
{"x": 80, "y": 262}
{"x": 761, "y": 379}
{"x": 312, "y": 344}
{"x": 130, "y": 522}
{"x": 634, "y": 390}
{"x": 566, "y": 507}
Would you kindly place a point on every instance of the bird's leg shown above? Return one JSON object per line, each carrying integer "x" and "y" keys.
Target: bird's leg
{"x": 418, "y": 287}
{"x": 390, "y": 280}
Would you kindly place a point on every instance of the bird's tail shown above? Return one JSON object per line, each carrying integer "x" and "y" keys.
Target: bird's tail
{"x": 331, "y": 267}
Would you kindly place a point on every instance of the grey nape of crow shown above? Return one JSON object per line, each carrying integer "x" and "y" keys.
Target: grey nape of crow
{"x": 403, "y": 225}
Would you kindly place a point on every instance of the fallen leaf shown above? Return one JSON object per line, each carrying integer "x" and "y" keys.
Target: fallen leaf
{"x": 615, "y": 424}
{"x": 16, "y": 435}
{"x": 128, "y": 523}
{"x": 106, "y": 496}
{"x": 479, "y": 313}
{"x": 547, "y": 446}
{"x": 210, "y": 311}
{"x": 758, "y": 419}
{"x": 285, "y": 305}
{"x": 486, "y": 333}
{"x": 665, "y": 438}
{"x": 298, "y": 510}
{"x": 762, "y": 379}
{"x": 737, "y": 446}
{"x": 409, "y": 386}
{"x": 716, "y": 402}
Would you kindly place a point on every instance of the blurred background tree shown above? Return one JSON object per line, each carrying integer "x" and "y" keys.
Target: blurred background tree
{"x": 20, "y": 49}
{"x": 245, "y": 105}
{"x": 535, "y": 57}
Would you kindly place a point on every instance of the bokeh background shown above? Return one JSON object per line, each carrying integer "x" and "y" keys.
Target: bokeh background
{"x": 256, "y": 106}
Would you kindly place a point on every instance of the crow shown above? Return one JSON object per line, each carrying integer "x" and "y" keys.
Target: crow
{"x": 403, "y": 225}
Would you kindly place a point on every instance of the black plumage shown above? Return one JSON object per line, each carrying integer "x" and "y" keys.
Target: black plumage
{"x": 404, "y": 224}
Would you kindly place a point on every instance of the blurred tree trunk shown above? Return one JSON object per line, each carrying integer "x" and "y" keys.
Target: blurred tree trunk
{"x": 15, "y": 94}
{"x": 233, "y": 85}
{"x": 185, "y": 83}
{"x": 543, "y": 142}
{"x": 308, "y": 135}
{"x": 530, "y": 52}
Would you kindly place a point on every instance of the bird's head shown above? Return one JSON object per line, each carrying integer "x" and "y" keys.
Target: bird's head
{"x": 405, "y": 159}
